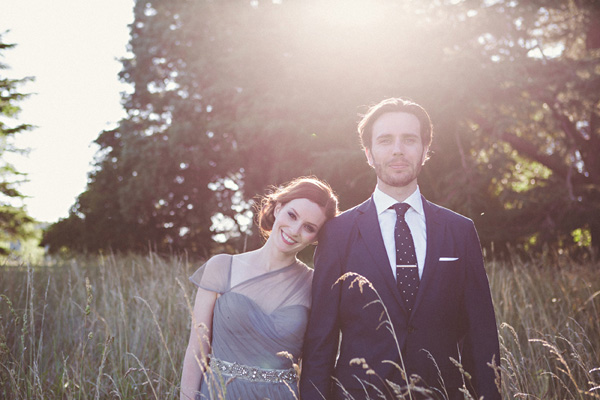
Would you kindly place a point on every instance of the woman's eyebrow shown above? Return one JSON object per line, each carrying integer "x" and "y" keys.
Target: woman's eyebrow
{"x": 307, "y": 222}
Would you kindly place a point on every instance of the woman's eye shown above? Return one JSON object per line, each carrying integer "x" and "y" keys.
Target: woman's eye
{"x": 292, "y": 215}
{"x": 310, "y": 229}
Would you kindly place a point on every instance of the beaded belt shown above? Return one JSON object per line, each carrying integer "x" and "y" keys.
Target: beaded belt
{"x": 253, "y": 374}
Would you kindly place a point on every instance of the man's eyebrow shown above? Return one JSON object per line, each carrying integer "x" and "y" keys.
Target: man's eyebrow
{"x": 387, "y": 135}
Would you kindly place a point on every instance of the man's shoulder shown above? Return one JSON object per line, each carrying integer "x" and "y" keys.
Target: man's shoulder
{"x": 351, "y": 213}
{"x": 445, "y": 213}
{"x": 345, "y": 220}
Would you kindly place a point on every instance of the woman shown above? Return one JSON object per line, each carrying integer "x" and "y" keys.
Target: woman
{"x": 251, "y": 306}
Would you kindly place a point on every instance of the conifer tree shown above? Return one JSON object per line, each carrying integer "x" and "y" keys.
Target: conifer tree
{"x": 15, "y": 223}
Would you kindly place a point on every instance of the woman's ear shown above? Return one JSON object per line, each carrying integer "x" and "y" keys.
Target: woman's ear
{"x": 277, "y": 209}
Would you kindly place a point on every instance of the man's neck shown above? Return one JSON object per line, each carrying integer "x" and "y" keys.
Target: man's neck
{"x": 398, "y": 193}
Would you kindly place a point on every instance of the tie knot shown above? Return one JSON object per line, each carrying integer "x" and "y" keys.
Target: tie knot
{"x": 401, "y": 208}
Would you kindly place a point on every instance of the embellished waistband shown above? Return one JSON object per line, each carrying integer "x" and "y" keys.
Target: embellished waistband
{"x": 253, "y": 374}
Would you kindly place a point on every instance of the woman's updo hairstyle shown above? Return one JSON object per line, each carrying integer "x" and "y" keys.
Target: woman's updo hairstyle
{"x": 310, "y": 188}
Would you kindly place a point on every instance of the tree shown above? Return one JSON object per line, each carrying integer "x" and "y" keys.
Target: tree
{"x": 230, "y": 97}
{"x": 15, "y": 223}
{"x": 538, "y": 128}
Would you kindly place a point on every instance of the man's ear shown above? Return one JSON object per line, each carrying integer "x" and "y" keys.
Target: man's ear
{"x": 425, "y": 155}
{"x": 369, "y": 156}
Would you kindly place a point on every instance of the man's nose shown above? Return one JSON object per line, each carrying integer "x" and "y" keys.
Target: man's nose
{"x": 398, "y": 147}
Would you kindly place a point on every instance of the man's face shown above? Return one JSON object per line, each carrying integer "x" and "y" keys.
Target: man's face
{"x": 397, "y": 152}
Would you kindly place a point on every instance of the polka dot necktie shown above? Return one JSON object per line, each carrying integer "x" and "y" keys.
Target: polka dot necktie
{"x": 407, "y": 272}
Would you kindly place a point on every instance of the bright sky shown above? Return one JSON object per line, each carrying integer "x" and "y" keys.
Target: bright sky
{"x": 71, "y": 47}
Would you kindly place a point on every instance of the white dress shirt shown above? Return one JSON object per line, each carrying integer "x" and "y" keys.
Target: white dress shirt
{"x": 415, "y": 218}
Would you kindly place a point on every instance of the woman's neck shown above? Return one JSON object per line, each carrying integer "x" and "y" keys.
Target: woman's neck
{"x": 273, "y": 258}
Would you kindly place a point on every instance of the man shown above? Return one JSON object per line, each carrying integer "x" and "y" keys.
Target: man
{"x": 428, "y": 301}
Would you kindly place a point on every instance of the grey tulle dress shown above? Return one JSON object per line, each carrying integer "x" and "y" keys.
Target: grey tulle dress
{"x": 253, "y": 321}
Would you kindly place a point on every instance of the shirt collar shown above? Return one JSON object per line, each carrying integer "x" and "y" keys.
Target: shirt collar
{"x": 384, "y": 201}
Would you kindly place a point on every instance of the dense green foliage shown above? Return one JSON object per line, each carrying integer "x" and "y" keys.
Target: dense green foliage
{"x": 117, "y": 327}
{"x": 15, "y": 224}
{"x": 230, "y": 97}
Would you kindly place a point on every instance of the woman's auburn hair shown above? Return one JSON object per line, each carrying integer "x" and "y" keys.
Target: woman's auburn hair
{"x": 310, "y": 188}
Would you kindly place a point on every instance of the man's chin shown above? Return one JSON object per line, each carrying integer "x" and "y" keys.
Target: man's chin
{"x": 398, "y": 181}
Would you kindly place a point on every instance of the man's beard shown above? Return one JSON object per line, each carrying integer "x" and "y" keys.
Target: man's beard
{"x": 396, "y": 180}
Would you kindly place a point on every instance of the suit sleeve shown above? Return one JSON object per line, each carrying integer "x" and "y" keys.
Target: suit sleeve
{"x": 322, "y": 334}
{"x": 481, "y": 341}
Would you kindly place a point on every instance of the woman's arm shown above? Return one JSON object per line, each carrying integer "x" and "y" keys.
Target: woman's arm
{"x": 198, "y": 348}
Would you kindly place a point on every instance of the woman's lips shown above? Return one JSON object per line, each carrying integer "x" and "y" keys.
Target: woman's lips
{"x": 287, "y": 239}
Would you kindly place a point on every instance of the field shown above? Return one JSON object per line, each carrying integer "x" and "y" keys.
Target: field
{"x": 116, "y": 327}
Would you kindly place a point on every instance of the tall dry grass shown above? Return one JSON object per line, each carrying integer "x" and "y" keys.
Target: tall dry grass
{"x": 116, "y": 328}
{"x": 95, "y": 328}
{"x": 549, "y": 321}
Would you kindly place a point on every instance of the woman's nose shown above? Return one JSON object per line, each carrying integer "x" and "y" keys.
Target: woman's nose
{"x": 296, "y": 227}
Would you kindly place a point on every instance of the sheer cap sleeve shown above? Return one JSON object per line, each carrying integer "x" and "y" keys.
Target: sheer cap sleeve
{"x": 214, "y": 274}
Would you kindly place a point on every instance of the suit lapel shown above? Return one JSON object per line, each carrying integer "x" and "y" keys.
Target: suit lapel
{"x": 435, "y": 238}
{"x": 368, "y": 225}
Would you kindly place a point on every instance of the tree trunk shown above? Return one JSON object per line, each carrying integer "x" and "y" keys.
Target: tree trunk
{"x": 595, "y": 231}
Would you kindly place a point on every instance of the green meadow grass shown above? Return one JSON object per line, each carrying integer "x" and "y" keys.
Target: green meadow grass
{"x": 116, "y": 327}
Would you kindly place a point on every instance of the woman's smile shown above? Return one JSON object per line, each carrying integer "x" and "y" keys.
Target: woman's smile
{"x": 287, "y": 239}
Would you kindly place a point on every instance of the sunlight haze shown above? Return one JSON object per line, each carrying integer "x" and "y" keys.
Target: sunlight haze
{"x": 71, "y": 48}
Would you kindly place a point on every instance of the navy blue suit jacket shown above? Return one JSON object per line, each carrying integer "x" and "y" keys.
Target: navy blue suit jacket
{"x": 453, "y": 316}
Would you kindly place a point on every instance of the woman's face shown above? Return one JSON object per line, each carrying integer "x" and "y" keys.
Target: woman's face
{"x": 297, "y": 224}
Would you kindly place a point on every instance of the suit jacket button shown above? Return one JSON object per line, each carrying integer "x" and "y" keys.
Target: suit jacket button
{"x": 411, "y": 329}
